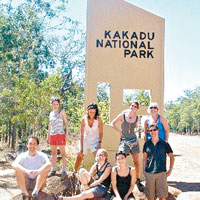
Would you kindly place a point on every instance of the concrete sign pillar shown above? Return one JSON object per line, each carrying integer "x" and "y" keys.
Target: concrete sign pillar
{"x": 125, "y": 47}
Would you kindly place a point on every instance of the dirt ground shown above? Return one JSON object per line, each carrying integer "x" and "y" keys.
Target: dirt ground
{"x": 185, "y": 175}
{"x": 186, "y": 172}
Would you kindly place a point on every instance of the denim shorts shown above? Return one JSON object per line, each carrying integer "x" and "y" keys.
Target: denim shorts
{"x": 131, "y": 196}
{"x": 99, "y": 191}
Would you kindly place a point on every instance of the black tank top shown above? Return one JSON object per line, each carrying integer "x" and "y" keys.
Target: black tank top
{"x": 99, "y": 173}
{"x": 123, "y": 183}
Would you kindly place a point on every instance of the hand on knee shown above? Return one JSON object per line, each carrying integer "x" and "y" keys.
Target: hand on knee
{"x": 81, "y": 172}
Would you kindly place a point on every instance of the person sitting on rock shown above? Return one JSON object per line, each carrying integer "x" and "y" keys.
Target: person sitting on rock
{"x": 31, "y": 168}
{"x": 96, "y": 182}
{"x": 123, "y": 179}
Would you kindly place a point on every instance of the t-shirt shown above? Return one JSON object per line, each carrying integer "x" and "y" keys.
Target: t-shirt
{"x": 32, "y": 162}
{"x": 156, "y": 156}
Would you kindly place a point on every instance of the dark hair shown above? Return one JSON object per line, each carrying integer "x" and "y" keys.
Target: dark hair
{"x": 93, "y": 106}
{"x": 120, "y": 153}
{"x": 34, "y": 137}
{"x": 153, "y": 125}
{"x": 54, "y": 98}
{"x": 135, "y": 102}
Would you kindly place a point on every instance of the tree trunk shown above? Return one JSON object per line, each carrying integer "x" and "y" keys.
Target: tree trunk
{"x": 9, "y": 133}
{"x": 13, "y": 137}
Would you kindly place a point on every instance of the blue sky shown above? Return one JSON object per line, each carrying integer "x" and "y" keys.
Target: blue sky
{"x": 182, "y": 42}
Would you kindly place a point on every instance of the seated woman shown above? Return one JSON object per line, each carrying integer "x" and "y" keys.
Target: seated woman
{"x": 123, "y": 178}
{"x": 96, "y": 182}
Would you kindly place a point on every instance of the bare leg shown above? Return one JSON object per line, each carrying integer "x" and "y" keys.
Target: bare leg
{"x": 136, "y": 164}
{"x": 84, "y": 176}
{"x": 54, "y": 155}
{"x": 64, "y": 155}
{"x": 21, "y": 180}
{"x": 84, "y": 195}
{"x": 78, "y": 162}
{"x": 41, "y": 179}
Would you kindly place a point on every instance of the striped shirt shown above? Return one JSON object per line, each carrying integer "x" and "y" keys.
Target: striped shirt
{"x": 56, "y": 123}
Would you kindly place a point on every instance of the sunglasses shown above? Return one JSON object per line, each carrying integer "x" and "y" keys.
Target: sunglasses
{"x": 151, "y": 130}
{"x": 153, "y": 107}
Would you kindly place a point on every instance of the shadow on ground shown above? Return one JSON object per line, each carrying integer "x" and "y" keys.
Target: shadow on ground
{"x": 184, "y": 186}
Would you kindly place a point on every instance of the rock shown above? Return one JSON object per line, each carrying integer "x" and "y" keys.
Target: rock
{"x": 71, "y": 186}
{"x": 41, "y": 196}
{"x": 68, "y": 187}
{"x": 172, "y": 194}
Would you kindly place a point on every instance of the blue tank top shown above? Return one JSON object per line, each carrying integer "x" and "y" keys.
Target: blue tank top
{"x": 161, "y": 129}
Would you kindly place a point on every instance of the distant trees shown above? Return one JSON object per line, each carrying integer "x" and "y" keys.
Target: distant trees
{"x": 42, "y": 53}
{"x": 184, "y": 114}
{"x": 142, "y": 96}
{"x": 40, "y": 48}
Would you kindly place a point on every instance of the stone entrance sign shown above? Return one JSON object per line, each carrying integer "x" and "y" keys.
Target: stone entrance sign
{"x": 125, "y": 48}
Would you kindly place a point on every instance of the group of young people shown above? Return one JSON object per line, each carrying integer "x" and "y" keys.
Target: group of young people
{"x": 97, "y": 181}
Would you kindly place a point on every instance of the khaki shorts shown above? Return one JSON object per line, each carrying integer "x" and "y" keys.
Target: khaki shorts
{"x": 156, "y": 184}
{"x": 30, "y": 183}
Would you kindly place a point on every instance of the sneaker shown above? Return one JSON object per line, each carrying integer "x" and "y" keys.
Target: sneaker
{"x": 63, "y": 175}
{"x": 52, "y": 173}
{"x": 34, "y": 194}
{"x": 140, "y": 186}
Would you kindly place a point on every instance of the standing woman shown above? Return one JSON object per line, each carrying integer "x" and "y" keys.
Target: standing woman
{"x": 91, "y": 133}
{"x": 128, "y": 139}
{"x": 57, "y": 135}
{"x": 123, "y": 178}
{"x": 159, "y": 120}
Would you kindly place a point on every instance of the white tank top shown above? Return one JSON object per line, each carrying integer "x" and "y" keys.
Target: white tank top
{"x": 91, "y": 133}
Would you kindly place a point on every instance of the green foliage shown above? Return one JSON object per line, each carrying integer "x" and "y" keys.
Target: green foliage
{"x": 141, "y": 96}
{"x": 103, "y": 98}
{"x": 35, "y": 38}
{"x": 183, "y": 115}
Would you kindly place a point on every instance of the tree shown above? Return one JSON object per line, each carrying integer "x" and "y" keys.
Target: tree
{"x": 183, "y": 114}
{"x": 35, "y": 64}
